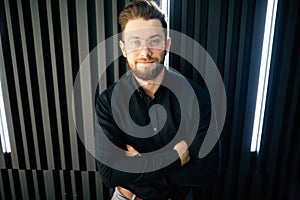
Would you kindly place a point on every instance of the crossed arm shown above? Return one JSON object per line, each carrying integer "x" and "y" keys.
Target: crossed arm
{"x": 181, "y": 148}
{"x": 188, "y": 170}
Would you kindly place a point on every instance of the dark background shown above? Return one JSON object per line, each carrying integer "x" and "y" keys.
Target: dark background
{"x": 43, "y": 43}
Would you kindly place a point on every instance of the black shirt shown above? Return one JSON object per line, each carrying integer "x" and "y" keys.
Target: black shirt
{"x": 163, "y": 126}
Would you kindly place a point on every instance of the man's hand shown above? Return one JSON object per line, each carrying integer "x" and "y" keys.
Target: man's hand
{"x": 183, "y": 151}
{"x": 131, "y": 151}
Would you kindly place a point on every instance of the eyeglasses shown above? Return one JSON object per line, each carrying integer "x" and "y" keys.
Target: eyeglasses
{"x": 153, "y": 43}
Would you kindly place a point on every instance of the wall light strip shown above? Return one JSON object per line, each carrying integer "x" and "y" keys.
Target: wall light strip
{"x": 3, "y": 126}
{"x": 165, "y": 7}
{"x": 264, "y": 75}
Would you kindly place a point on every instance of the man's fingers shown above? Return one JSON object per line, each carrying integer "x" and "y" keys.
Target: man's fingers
{"x": 129, "y": 148}
{"x": 131, "y": 151}
{"x": 183, "y": 151}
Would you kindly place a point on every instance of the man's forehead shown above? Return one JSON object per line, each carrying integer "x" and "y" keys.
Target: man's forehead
{"x": 143, "y": 28}
{"x": 144, "y": 33}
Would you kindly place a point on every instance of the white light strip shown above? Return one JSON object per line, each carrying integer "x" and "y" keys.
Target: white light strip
{"x": 3, "y": 126}
{"x": 264, "y": 75}
{"x": 165, "y": 7}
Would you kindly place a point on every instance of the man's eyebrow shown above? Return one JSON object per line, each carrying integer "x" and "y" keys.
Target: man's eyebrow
{"x": 156, "y": 35}
{"x": 133, "y": 37}
{"x": 137, "y": 37}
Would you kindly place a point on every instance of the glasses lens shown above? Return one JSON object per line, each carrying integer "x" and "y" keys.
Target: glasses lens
{"x": 133, "y": 44}
{"x": 155, "y": 43}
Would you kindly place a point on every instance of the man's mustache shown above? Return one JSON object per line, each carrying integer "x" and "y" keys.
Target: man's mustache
{"x": 147, "y": 60}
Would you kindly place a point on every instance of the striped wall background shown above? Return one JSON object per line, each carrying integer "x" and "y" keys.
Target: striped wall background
{"x": 232, "y": 33}
{"x": 43, "y": 43}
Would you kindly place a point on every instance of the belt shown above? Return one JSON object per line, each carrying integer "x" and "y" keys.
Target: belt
{"x": 128, "y": 194}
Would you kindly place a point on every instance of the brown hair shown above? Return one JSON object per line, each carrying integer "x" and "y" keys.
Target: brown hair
{"x": 145, "y": 9}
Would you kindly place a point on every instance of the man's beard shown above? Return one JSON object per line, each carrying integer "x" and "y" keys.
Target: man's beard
{"x": 148, "y": 74}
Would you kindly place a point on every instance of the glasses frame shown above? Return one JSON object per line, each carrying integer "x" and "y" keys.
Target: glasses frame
{"x": 145, "y": 43}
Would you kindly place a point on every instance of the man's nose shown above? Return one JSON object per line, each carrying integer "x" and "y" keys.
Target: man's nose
{"x": 145, "y": 50}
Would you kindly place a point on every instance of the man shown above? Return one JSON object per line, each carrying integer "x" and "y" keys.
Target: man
{"x": 160, "y": 143}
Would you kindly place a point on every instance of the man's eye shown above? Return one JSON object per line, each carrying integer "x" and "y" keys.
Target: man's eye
{"x": 154, "y": 42}
{"x": 134, "y": 43}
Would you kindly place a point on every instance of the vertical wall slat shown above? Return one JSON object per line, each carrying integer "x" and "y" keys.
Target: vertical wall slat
{"x": 213, "y": 28}
{"x": 55, "y": 83}
{"x": 42, "y": 82}
{"x": 62, "y": 184}
{"x": 57, "y": 184}
{"x": 41, "y": 184}
{"x": 35, "y": 184}
{"x": 243, "y": 74}
{"x": 73, "y": 184}
{"x": 48, "y": 76}
{"x": 24, "y": 186}
{"x": 85, "y": 185}
{"x": 230, "y": 61}
{"x": 17, "y": 184}
{"x": 16, "y": 78}
{"x": 30, "y": 184}
{"x": 116, "y": 49}
{"x": 11, "y": 184}
{"x": 8, "y": 114}
{"x": 183, "y": 46}
{"x": 22, "y": 81}
{"x": 2, "y": 161}
{"x": 213, "y": 33}
{"x": 28, "y": 81}
{"x": 92, "y": 189}
{"x": 85, "y": 83}
{"x": 7, "y": 186}
{"x": 68, "y": 183}
{"x": 100, "y": 23}
{"x": 275, "y": 127}
{"x": 2, "y": 191}
{"x": 68, "y": 82}
{"x": 2, "y": 77}
{"x": 49, "y": 186}
{"x": 110, "y": 13}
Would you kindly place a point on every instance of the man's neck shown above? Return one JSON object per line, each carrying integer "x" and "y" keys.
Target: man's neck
{"x": 151, "y": 86}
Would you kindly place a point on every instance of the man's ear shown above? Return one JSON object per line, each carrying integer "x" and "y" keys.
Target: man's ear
{"x": 168, "y": 45}
{"x": 122, "y": 46}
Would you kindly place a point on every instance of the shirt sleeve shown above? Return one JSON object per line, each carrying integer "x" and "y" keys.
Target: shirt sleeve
{"x": 200, "y": 172}
{"x": 107, "y": 158}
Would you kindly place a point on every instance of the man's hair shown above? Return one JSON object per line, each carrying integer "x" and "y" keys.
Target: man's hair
{"x": 145, "y": 9}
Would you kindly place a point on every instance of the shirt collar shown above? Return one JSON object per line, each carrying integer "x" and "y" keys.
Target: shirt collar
{"x": 140, "y": 90}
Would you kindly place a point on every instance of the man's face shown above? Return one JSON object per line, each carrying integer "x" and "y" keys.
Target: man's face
{"x": 145, "y": 47}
